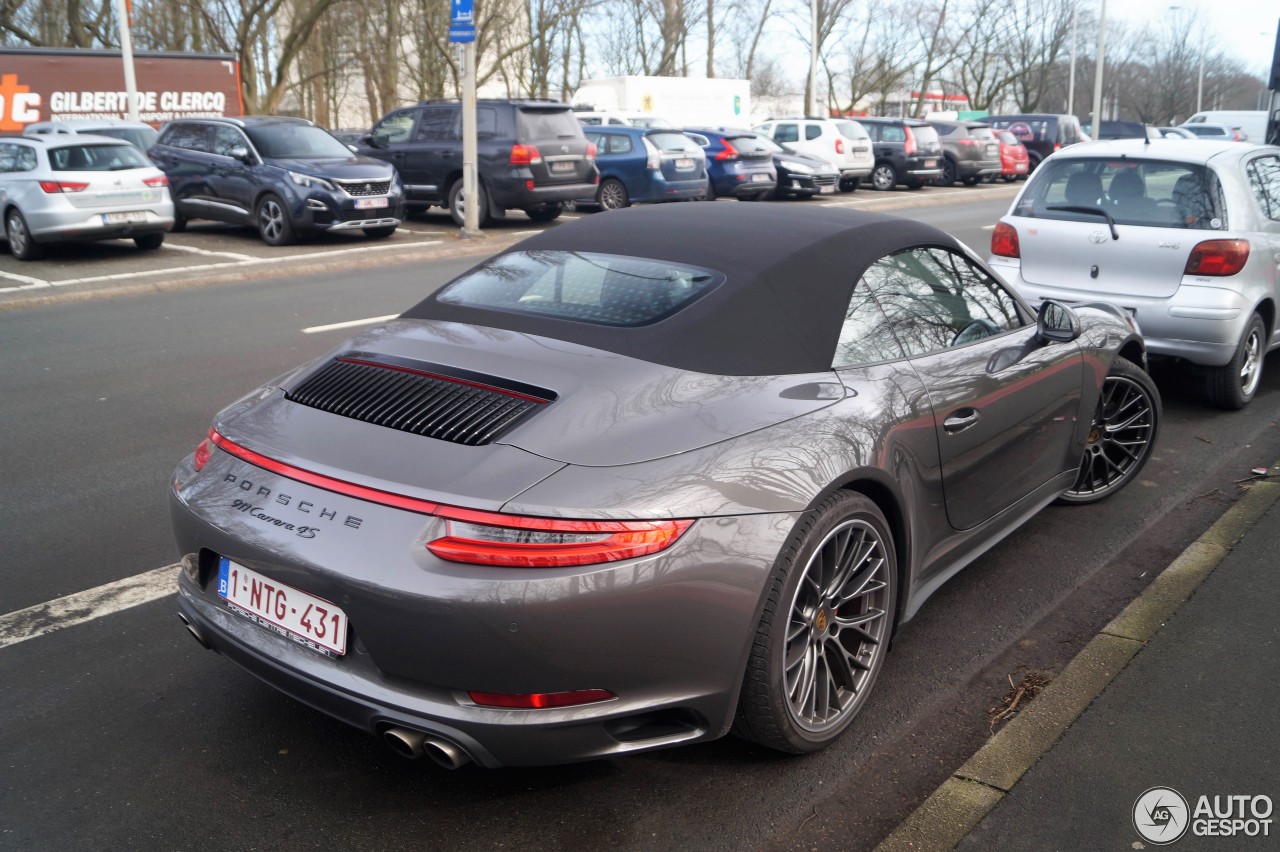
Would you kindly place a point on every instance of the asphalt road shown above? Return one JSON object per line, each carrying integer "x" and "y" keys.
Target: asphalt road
{"x": 123, "y": 733}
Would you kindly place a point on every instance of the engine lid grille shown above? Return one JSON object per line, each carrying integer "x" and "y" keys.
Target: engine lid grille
{"x": 424, "y": 399}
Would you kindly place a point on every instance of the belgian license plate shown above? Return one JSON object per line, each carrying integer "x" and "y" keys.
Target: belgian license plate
{"x": 131, "y": 217}
{"x": 562, "y": 166}
{"x": 684, "y": 164}
{"x": 930, "y": 164}
{"x": 292, "y": 613}
{"x": 370, "y": 203}
{"x": 759, "y": 178}
{"x": 827, "y": 189}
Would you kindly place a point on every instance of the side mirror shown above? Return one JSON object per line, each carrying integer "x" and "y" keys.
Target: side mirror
{"x": 373, "y": 140}
{"x": 1056, "y": 323}
{"x": 353, "y": 149}
{"x": 240, "y": 153}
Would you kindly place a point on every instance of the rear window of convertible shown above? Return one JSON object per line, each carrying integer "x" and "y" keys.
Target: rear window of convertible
{"x": 602, "y": 289}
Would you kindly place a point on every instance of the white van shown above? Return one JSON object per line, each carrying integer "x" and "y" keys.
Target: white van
{"x": 1253, "y": 123}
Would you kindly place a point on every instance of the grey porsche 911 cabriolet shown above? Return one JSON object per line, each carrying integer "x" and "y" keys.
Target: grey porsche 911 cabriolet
{"x": 646, "y": 478}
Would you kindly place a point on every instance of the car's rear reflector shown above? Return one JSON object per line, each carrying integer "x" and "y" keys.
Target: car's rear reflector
{"x": 541, "y": 700}
{"x": 478, "y": 537}
{"x": 1004, "y": 241}
{"x": 1218, "y": 257}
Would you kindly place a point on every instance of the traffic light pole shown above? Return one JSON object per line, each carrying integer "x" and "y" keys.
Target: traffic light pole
{"x": 472, "y": 197}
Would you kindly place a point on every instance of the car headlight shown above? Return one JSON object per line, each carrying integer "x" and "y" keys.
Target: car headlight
{"x": 311, "y": 181}
{"x": 799, "y": 169}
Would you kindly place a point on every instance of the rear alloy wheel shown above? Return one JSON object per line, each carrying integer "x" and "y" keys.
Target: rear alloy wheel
{"x": 149, "y": 242}
{"x": 948, "y": 172}
{"x": 379, "y": 233}
{"x": 612, "y": 195}
{"x": 884, "y": 177}
{"x": 825, "y": 630}
{"x": 1122, "y": 435}
{"x": 1233, "y": 385}
{"x": 273, "y": 221}
{"x": 458, "y": 205}
{"x": 21, "y": 243}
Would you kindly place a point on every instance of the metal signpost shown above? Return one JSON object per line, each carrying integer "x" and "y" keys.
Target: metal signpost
{"x": 462, "y": 30}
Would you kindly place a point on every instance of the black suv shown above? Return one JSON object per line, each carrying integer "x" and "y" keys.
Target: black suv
{"x": 1040, "y": 133}
{"x": 284, "y": 175}
{"x": 970, "y": 151}
{"x": 531, "y": 155}
{"x": 907, "y": 151}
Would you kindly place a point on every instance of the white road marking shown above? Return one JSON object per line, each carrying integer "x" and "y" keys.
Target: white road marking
{"x": 195, "y": 250}
{"x": 423, "y": 233}
{"x": 257, "y": 261}
{"x": 31, "y": 283}
{"x": 523, "y": 233}
{"x": 88, "y": 605}
{"x": 316, "y": 329}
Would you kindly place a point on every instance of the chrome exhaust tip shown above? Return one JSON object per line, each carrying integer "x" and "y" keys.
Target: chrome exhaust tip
{"x": 404, "y": 742}
{"x": 445, "y": 753}
{"x": 194, "y": 631}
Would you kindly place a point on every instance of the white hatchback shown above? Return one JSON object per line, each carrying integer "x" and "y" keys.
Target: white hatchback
{"x": 75, "y": 187}
{"x": 1184, "y": 234}
{"x": 842, "y": 142}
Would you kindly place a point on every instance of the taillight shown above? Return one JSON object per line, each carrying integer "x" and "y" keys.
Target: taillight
{"x": 968, "y": 143}
{"x": 909, "y": 147}
{"x": 156, "y": 181}
{"x": 1004, "y": 241}
{"x": 541, "y": 700}
{"x": 839, "y": 145}
{"x": 1057, "y": 146}
{"x": 592, "y": 150}
{"x": 204, "y": 450}
{"x": 525, "y": 155}
{"x": 654, "y": 156}
{"x": 514, "y": 541}
{"x": 52, "y": 186}
{"x": 1218, "y": 257}
{"x": 729, "y": 152}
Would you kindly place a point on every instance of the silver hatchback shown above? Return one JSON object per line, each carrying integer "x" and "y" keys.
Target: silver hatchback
{"x": 1183, "y": 234}
{"x": 75, "y": 187}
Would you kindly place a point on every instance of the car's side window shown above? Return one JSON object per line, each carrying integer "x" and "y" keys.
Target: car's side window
{"x": 439, "y": 125}
{"x": 893, "y": 133}
{"x": 786, "y": 133}
{"x": 619, "y": 144}
{"x": 227, "y": 138}
{"x": 935, "y": 299}
{"x": 812, "y": 131}
{"x": 8, "y": 158}
{"x": 486, "y": 123}
{"x": 866, "y": 336}
{"x": 394, "y": 128}
{"x": 193, "y": 136}
{"x": 1264, "y": 180}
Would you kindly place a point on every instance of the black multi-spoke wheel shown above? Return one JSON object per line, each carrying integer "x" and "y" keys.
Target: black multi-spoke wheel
{"x": 1122, "y": 435}
{"x": 825, "y": 629}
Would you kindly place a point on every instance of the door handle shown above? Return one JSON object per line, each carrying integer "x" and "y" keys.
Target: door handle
{"x": 960, "y": 420}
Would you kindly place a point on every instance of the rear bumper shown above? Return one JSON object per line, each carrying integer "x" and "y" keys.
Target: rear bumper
{"x": 77, "y": 225}
{"x": 508, "y": 196}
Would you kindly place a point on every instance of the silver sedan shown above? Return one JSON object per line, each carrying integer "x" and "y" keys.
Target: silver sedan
{"x": 77, "y": 187}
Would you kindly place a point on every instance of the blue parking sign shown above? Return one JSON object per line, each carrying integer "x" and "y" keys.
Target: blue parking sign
{"x": 462, "y": 21}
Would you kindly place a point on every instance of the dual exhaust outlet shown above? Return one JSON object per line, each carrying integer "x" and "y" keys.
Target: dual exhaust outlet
{"x": 414, "y": 744}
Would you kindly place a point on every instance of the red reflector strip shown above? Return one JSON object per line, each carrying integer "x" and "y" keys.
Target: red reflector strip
{"x": 541, "y": 700}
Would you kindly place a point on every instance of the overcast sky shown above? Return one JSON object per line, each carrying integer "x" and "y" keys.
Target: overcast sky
{"x": 1246, "y": 28}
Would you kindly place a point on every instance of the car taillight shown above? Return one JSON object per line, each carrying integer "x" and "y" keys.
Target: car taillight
{"x": 592, "y": 150}
{"x": 969, "y": 143}
{"x": 1218, "y": 257}
{"x": 1004, "y": 241}
{"x": 204, "y": 450}
{"x": 909, "y": 147}
{"x": 156, "y": 181}
{"x": 729, "y": 152}
{"x": 541, "y": 700}
{"x": 654, "y": 156}
{"x": 52, "y": 186}
{"x": 514, "y": 541}
{"x": 1057, "y": 146}
{"x": 525, "y": 155}
{"x": 839, "y": 146}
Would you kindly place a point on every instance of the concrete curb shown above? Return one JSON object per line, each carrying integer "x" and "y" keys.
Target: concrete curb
{"x": 239, "y": 272}
{"x": 964, "y": 799}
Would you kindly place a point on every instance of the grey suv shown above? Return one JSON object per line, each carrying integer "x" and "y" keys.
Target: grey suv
{"x": 970, "y": 151}
{"x": 532, "y": 156}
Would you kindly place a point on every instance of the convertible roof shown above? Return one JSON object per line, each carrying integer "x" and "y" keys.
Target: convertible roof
{"x": 789, "y": 275}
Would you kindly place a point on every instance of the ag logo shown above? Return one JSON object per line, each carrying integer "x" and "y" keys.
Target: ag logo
{"x": 1161, "y": 816}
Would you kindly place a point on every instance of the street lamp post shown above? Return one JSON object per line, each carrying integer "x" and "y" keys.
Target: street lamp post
{"x": 1071, "y": 82}
{"x": 1097, "y": 71}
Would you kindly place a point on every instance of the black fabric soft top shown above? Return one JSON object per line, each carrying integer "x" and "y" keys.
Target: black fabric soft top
{"x": 789, "y": 276}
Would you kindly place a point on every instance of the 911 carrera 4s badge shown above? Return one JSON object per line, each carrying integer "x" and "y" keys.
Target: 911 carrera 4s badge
{"x": 277, "y": 508}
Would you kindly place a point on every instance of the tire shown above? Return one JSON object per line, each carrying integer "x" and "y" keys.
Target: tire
{"x": 546, "y": 213}
{"x": 179, "y": 223}
{"x": 849, "y": 184}
{"x": 149, "y": 242}
{"x": 948, "y": 172}
{"x": 971, "y": 180}
{"x": 457, "y": 208}
{"x": 1121, "y": 437}
{"x": 21, "y": 243}
{"x": 1008, "y": 178}
{"x": 836, "y": 648}
{"x": 273, "y": 222}
{"x": 379, "y": 233}
{"x": 884, "y": 177}
{"x": 1233, "y": 385}
{"x": 612, "y": 195}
